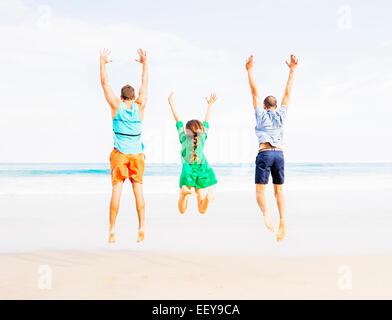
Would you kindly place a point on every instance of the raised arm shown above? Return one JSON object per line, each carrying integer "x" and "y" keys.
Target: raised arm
{"x": 210, "y": 102}
{"x": 170, "y": 100}
{"x": 107, "y": 89}
{"x": 142, "y": 98}
{"x": 292, "y": 65}
{"x": 255, "y": 94}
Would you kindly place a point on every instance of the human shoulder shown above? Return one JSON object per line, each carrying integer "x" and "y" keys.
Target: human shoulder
{"x": 260, "y": 111}
{"x": 282, "y": 110}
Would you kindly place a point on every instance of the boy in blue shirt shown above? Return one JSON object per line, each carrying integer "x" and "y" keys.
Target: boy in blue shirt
{"x": 270, "y": 121}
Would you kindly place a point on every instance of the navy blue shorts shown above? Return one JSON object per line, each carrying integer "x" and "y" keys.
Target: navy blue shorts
{"x": 270, "y": 161}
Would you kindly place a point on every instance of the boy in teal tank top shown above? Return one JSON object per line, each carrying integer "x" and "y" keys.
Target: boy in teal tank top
{"x": 196, "y": 175}
{"x": 127, "y": 158}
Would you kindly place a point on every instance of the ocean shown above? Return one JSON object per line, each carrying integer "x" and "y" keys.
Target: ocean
{"x": 173, "y": 169}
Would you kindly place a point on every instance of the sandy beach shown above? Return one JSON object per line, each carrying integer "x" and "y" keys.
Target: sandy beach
{"x": 152, "y": 275}
{"x": 325, "y": 217}
{"x": 338, "y": 230}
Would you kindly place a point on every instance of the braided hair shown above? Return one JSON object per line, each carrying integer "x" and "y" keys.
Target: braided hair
{"x": 196, "y": 128}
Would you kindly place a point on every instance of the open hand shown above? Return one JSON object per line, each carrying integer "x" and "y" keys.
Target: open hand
{"x": 212, "y": 98}
{"x": 293, "y": 62}
{"x": 249, "y": 63}
{"x": 170, "y": 99}
{"x": 104, "y": 54}
{"x": 142, "y": 56}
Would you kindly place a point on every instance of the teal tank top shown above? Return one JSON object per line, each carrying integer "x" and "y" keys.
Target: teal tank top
{"x": 127, "y": 128}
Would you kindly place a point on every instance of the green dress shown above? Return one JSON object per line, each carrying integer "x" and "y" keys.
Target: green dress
{"x": 198, "y": 173}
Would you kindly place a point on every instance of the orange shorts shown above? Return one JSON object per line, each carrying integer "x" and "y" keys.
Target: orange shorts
{"x": 123, "y": 166}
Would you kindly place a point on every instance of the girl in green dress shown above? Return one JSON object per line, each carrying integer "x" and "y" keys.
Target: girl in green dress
{"x": 196, "y": 175}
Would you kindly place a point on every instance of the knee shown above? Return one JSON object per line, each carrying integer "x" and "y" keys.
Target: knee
{"x": 139, "y": 199}
{"x": 260, "y": 192}
{"x": 278, "y": 192}
{"x": 182, "y": 210}
{"x": 141, "y": 203}
{"x": 138, "y": 195}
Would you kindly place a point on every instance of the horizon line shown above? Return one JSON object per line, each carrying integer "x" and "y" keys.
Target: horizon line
{"x": 212, "y": 163}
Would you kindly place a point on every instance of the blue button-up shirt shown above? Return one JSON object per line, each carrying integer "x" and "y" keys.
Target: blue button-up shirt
{"x": 269, "y": 125}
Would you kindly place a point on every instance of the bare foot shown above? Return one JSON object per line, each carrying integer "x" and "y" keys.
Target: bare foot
{"x": 210, "y": 196}
{"x": 282, "y": 231}
{"x": 140, "y": 236}
{"x": 269, "y": 223}
{"x": 112, "y": 238}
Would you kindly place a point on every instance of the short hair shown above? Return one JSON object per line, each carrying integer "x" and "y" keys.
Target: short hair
{"x": 270, "y": 102}
{"x": 127, "y": 92}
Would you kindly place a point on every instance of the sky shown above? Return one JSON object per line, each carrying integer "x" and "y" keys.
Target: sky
{"x": 53, "y": 109}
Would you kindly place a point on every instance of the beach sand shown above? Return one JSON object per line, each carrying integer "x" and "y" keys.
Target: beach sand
{"x": 124, "y": 274}
{"x": 338, "y": 227}
{"x": 324, "y": 218}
